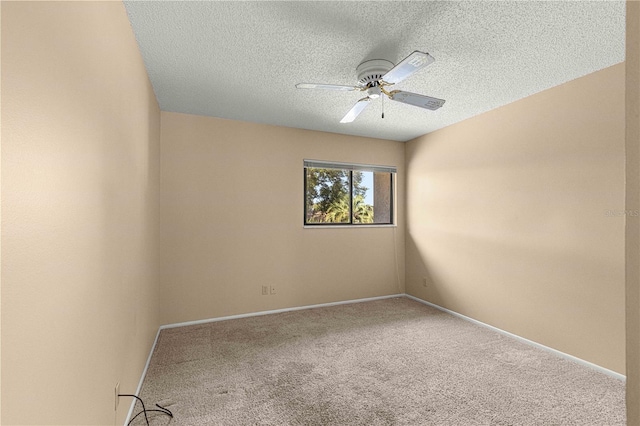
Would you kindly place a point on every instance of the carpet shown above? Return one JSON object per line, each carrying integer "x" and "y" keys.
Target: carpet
{"x": 385, "y": 362}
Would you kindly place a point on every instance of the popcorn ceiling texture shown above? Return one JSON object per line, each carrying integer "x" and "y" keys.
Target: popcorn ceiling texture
{"x": 241, "y": 60}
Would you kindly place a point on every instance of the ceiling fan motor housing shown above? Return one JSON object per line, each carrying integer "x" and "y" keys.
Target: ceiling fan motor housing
{"x": 370, "y": 72}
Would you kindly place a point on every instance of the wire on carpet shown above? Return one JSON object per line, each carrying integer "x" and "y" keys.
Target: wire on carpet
{"x": 144, "y": 409}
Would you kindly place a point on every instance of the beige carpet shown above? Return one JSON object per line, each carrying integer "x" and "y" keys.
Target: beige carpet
{"x": 387, "y": 362}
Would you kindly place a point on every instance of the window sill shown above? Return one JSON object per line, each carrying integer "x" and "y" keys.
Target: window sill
{"x": 349, "y": 226}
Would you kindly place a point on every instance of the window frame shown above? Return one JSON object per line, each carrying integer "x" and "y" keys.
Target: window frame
{"x": 351, "y": 167}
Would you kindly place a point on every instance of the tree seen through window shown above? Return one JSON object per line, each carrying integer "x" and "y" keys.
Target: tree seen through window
{"x": 345, "y": 196}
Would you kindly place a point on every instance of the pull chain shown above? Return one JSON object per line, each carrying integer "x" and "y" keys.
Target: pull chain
{"x": 382, "y": 105}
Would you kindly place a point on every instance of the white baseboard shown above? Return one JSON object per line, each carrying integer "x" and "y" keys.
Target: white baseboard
{"x": 369, "y": 299}
{"x": 522, "y": 339}
{"x": 142, "y": 376}
{"x": 278, "y": 311}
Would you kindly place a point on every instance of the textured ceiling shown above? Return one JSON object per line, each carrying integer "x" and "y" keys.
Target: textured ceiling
{"x": 241, "y": 60}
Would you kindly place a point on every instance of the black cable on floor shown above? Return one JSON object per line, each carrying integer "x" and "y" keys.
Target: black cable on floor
{"x": 144, "y": 409}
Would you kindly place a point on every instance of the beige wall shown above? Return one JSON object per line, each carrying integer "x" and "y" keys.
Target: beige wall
{"x": 80, "y": 194}
{"x": 633, "y": 204}
{"x": 232, "y": 214}
{"x": 507, "y": 218}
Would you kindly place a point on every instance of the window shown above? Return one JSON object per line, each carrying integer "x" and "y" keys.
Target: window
{"x": 347, "y": 194}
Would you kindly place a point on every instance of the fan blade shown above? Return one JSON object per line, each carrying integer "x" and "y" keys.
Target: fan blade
{"x": 327, "y": 87}
{"x": 415, "y": 99}
{"x": 356, "y": 110}
{"x": 412, "y": 63}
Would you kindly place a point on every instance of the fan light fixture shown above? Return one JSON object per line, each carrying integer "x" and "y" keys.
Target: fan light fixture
{"x": 376, "y": 74}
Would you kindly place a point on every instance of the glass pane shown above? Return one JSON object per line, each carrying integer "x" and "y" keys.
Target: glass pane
{"x": 363, "y": 197}
{"x": 372, "y": 197}
{"x": 327, "y": 196}
{"x": 383, "y": 198}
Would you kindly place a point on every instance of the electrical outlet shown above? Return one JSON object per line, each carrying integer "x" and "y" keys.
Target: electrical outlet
{"x": 116, "y": 394}
{"x": 273, "y": 289}
{"x": 424, "y": 281}
{"x": 265, "y": 290}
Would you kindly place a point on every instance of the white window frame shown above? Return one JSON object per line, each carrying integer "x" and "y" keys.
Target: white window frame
{"x": 351, "y": 167}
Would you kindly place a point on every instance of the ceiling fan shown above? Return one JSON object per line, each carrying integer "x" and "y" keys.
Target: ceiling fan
{"x": 375, "y": 75}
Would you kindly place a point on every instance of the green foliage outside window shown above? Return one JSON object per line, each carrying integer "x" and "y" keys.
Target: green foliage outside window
{"x": 329, "y": 193}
